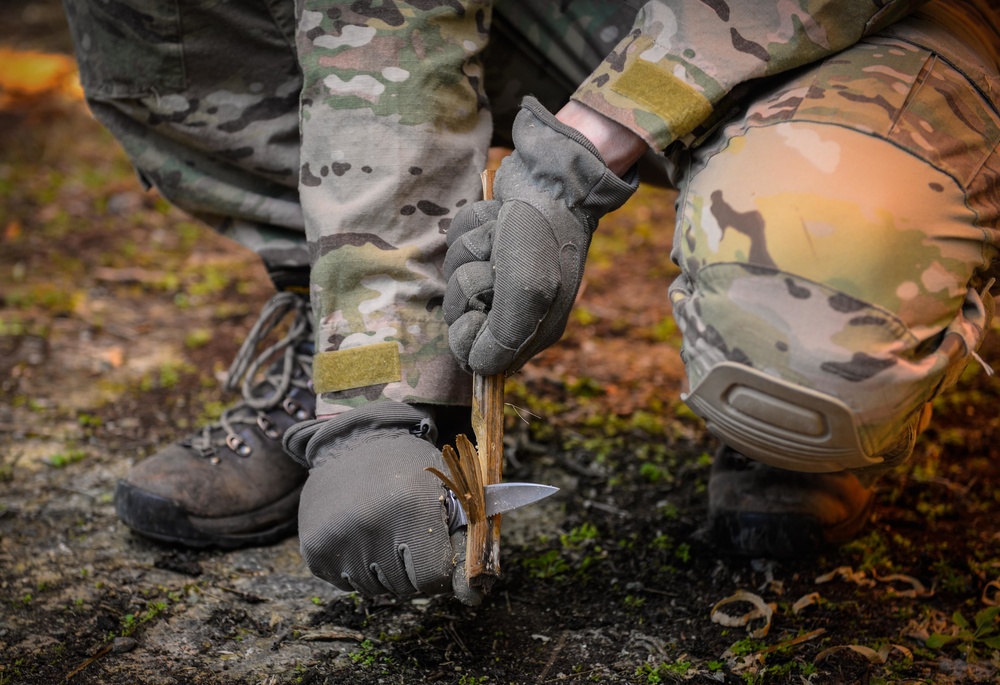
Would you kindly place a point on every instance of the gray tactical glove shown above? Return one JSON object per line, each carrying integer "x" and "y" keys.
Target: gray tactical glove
{"x": 514, "y": 263}
{"x": 371, "y": 519}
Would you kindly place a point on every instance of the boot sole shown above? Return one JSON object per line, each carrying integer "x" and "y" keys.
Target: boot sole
{"x": 163, "y": 520}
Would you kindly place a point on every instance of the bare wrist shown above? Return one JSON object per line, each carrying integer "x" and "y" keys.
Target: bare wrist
{"x": 619, "y": 146}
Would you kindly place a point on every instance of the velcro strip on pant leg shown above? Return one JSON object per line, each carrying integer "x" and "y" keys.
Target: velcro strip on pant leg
{"x": 357, "y": 367}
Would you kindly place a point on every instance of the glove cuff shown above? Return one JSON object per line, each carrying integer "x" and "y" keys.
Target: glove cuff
{"x": 558, "y": 161}
{"x": 311, "y": 442}
{"x": 549, "y": 119}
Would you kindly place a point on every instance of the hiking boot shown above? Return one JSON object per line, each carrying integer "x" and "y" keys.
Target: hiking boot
{"x": 761, "y": 511}
{"x": 231, "y": 484}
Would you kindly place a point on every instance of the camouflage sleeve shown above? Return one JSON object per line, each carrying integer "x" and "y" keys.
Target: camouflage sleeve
{"x": 682, "y": 58}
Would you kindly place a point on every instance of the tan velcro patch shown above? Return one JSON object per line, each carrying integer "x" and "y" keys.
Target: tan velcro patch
{"x": 664, "y": 95}
{"x": 356, "y": 367}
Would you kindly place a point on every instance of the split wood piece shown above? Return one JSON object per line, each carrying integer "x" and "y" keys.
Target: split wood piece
{"x": 472, "y": 470}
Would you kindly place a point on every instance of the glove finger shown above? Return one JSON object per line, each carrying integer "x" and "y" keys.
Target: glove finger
{"x": 469, "y": 289}
{"x": 488, "y": 357}
{"x": 393, "y": 502}
{"x": 465, "y": 593}
{"x": 387, "y": 586}
{"x": 474, "y": 246}
{"x": 471, "y": 217}
{"x": 347, "y": 584}
{"x": 462, "y": 334}
{"x": 525, "y": 286}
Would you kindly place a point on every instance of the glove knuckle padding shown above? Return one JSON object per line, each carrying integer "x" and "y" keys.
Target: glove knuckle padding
{"x": 469, "y": 289}
{"x": 475, "y": 246}
{"x": 462, "y": 333}
{"x": 371, "y": 518}
{"x": 471, "y": 217}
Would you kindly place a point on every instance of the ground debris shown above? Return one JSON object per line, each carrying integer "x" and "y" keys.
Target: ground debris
{"x": 116, "y": 313}
{"x": 761, "y": 609}
{"x": 848, "y": 574}
{"x": 876, "y": 657}
{"x": 179, "y": 561}
{"x": 121, "y": 645}
{"x": 331, "y": 634}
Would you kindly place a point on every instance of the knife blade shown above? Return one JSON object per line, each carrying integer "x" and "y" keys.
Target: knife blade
{"x": 500, "y": 498}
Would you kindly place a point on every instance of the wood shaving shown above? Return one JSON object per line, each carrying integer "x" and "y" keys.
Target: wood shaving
{"x": 991, "y": 593}
{"x": 761, "y": 610}
{"x": 918, "y": 589}
{"x": 805, "y": 601}
{"x": 846, "y": 573}
{"x": 880, "y": 657}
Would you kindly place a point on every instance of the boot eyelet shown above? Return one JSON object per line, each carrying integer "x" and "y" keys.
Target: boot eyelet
{"x": 267, "y": 426}
{"x": 422, "y": 429}
{"x": 294, "y": 409}
{"x": 237, "y": 445}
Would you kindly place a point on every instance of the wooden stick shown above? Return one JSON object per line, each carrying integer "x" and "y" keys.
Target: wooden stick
{"x": 482, "y": 557}
{"x": 471, "y": 470}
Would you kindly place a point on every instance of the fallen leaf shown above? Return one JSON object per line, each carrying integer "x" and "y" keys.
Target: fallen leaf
{"x": 12, "y": 231}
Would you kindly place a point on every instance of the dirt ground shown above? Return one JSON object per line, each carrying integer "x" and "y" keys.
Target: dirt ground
{"x": 119, "y": 316}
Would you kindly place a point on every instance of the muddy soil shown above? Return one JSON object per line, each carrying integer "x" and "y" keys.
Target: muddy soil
{"x": 118, "y": 318}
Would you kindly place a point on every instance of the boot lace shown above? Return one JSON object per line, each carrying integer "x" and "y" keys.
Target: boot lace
{"x": 287, "y": 364}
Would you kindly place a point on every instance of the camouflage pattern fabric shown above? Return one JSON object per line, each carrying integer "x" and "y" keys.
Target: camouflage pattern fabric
{"x": 838, "y": 233}
{"x": 392, "y": 98}
{"x": 207, "y": 116}
{"x": 683, "y": 62}
{"x": 395, "y": 131}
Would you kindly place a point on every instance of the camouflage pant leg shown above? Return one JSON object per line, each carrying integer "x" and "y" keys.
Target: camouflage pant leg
{"x": 837, "y": 234}
{"x": 203, "y": 96}
{"x": 395, "y": 130}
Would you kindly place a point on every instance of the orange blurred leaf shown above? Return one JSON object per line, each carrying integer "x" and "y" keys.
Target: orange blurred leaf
{"x": 26, "y": 75}
{"x": 12, "y": 231}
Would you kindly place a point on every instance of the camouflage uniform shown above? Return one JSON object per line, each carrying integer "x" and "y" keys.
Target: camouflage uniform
{"x": 840, "y": 230}
{"x": 395, "y": 126}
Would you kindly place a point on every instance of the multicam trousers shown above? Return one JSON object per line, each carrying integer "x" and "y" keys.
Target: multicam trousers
{"x": 346, "y": 135}
{"x": 208, "y": 99}
{"x": 840, "y": 233}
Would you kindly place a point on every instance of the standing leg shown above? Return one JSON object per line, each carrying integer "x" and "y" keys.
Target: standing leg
{"x": 204, "y": 96}
{"x": 395, "y": 130}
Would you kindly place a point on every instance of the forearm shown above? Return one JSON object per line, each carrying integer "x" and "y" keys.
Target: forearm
{"x": 666, "y": 77}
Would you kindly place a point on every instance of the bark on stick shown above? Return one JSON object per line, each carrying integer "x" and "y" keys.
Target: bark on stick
{"x": 471, "y": 470}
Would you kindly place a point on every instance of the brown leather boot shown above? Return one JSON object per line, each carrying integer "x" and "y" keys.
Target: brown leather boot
{"x": 231, "y": 484}
{"x": 761, "y": 511}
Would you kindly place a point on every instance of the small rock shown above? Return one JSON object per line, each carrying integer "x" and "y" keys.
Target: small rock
{"x": 121, "y": 645}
